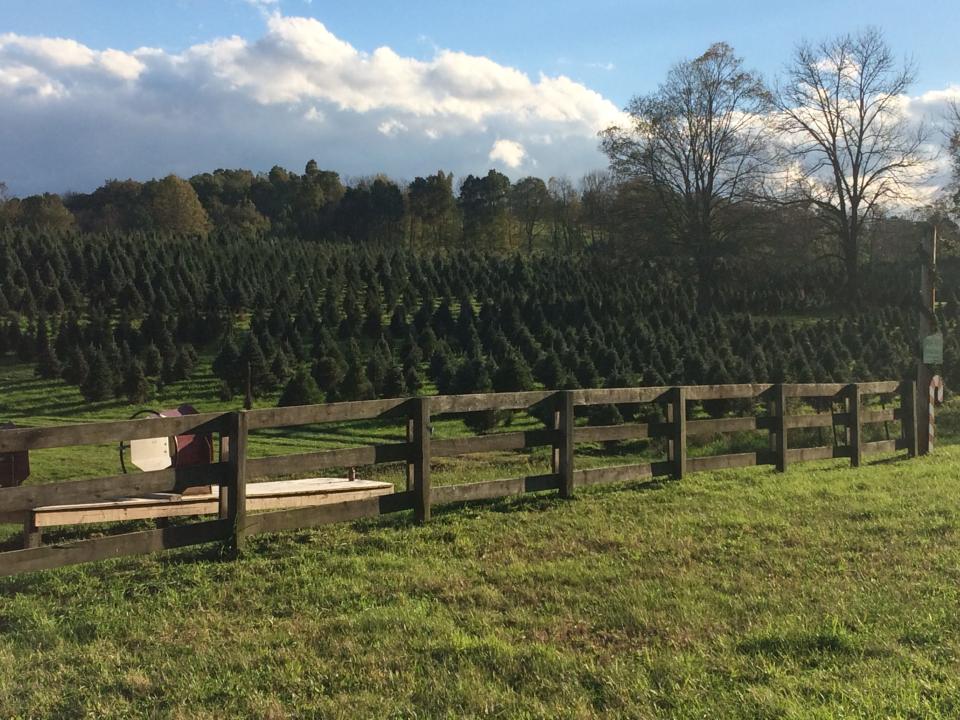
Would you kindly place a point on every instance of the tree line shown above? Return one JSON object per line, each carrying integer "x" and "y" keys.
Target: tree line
{"x": 819, "y": 165}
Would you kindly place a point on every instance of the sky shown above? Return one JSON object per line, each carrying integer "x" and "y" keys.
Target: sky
{"x": 113, "y": 89}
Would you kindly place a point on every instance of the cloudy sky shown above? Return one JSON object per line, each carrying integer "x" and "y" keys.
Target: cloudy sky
{"x": 110, "y": 88}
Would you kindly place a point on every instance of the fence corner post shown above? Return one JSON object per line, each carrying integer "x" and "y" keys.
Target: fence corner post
{"x": 236, "y": 505}
{"x": 854, "y": 424}
{"x": 420, "y": 458}
{"x": 565, "y": 444}
{"x": 677, "y": 416}
{"x": 780, "y": 426}
{"x": 908, "y": 416}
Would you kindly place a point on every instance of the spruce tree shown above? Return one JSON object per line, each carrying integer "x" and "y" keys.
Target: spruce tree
{"x": 185, "y": 362}
{"x": 356, "y": 385}
{"x": 48, "y": 365}
{"x": 398, "y": 323}
{"x": 328, "y": 373}
{"x": 413, "y": 379}
{"x": 76, "y": 369}
{"x": 136, "y": 387}
{"x": 550, "y": 372}
{"x": 587, "y": 374}
{"x": 152, "y": 360}
{"x": 280, "y": 367}
{"x": 101, "y": 380}
{"x": 513, "y": 374}
{"x": 395, "y": 383}
{"x": 251, "y": 358}
{"x": 301, "y": 390}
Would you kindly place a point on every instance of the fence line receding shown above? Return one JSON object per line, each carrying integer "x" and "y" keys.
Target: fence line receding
{"x": 562, "y": 435}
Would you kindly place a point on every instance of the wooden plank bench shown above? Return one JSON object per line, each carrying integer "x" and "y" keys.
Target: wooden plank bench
{"x": 281, "y": 494}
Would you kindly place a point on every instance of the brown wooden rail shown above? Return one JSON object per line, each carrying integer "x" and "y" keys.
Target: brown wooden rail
{"x": 231, "y": 473}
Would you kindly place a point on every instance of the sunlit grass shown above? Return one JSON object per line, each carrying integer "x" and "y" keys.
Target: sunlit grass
{"x": 823, "y": 592}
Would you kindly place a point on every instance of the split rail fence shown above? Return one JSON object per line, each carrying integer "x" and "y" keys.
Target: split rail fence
{"x": 234, "y": 468}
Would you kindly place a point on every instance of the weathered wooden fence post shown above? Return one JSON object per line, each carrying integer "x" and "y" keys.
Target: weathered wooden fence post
{"x": 32, "y": 536}
{"x": 677, "y": 416}
{"x": 420, "y": 458}
{"x": 224, "y": 507}
{"x": 908, "y": 419}
{"x": 854, "y": 424}
{"x": 236, "y": 506}
{"x": 780, "y": 425}
{"x": 410, "y": 465}
{"x": 564, "y": 448}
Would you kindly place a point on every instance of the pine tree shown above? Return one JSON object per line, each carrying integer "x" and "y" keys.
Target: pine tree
{"x": 301, "y": 390}
{"x": 356, "y": 385}
{"x": 136, "y": 387}
{"x": 550, "y": 372}
{"x": 413, "y": 379}
{"x": 76, "y": 369}
{"x": 398, "y": 323}
{"x": 587, "y": 374}
{"x": 280, "y": 367}
{"x": 395, "y": 383}
{"x": 474, "y": 376}
{"x": 251, "y": 356}
{"x": 513, "y": 374}
{"x": 48, "y": 365}
{"x": 328, "y": 373}
{"x": 185, "y": 362}
{"x": 372, "y": 324}
{"x": 152, "y": 360}
{"x": 100, "y": 381}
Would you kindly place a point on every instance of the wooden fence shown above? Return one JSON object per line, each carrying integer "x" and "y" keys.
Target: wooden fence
{"x": 234, "y": 468}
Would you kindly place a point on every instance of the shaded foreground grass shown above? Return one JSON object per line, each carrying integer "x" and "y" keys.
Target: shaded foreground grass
{"x": 825, "y": 592}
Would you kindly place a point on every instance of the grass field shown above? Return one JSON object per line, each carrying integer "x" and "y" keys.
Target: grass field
{"x": 823, "y": 592}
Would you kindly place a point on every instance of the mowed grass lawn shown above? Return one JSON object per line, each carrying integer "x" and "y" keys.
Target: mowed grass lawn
{"x": 824, "y": 592}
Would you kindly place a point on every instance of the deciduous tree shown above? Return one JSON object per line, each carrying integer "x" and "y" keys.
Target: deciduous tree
{"x": 840, "y": 110}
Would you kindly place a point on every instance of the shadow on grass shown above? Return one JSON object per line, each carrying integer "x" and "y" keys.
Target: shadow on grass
{"x": 895, "y": 460}
{"x": 801, "y": 646}
{"x": 540, "y": 501}
{"x": 52, "y": 582}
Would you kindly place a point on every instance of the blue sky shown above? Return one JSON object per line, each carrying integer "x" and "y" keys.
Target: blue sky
{"x": 617, "y": 48}
{"x": 292, "y": 88}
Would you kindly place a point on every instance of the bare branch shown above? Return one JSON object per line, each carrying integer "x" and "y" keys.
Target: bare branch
{"x": 838, "y": 104}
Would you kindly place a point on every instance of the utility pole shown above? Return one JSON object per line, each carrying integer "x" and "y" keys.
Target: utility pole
{"x": 926, "y": 326}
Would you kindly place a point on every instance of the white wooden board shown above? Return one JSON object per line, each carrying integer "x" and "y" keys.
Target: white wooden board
{"x": 260, "y": 496}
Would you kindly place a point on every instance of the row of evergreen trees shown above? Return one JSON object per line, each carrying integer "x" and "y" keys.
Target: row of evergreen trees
{"x": 341, "y": 323}
{"x": 139, "y": 272}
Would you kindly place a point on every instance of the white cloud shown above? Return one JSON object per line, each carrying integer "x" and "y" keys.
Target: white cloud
{"x": 508, "y": 152}
{"x": 74, "y": 115}
{"x": 121, "y": 64}
{"x": 314, "y": 115}
{"x": 391, "y": 127}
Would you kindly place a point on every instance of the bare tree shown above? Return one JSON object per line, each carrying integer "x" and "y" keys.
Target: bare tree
{"x": 565, "y": 214}
{"x": 839, "y": 107}
{"x": 529, "y": 201}
{"x": 700, "y": 141}
{"x": 953, "y": 144}
{"x": 596, "y": 200}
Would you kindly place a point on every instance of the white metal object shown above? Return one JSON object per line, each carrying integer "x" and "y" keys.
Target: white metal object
{"x": 151, "y": 453}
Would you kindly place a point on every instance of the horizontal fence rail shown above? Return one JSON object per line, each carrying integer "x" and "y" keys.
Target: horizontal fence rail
{"x": 561, "y": 435}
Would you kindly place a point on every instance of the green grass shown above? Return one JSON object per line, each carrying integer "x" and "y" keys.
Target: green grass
{"x": 825, "y": 592}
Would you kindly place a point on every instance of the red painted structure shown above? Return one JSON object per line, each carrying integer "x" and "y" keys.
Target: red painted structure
{"x": 14, "y": 466}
